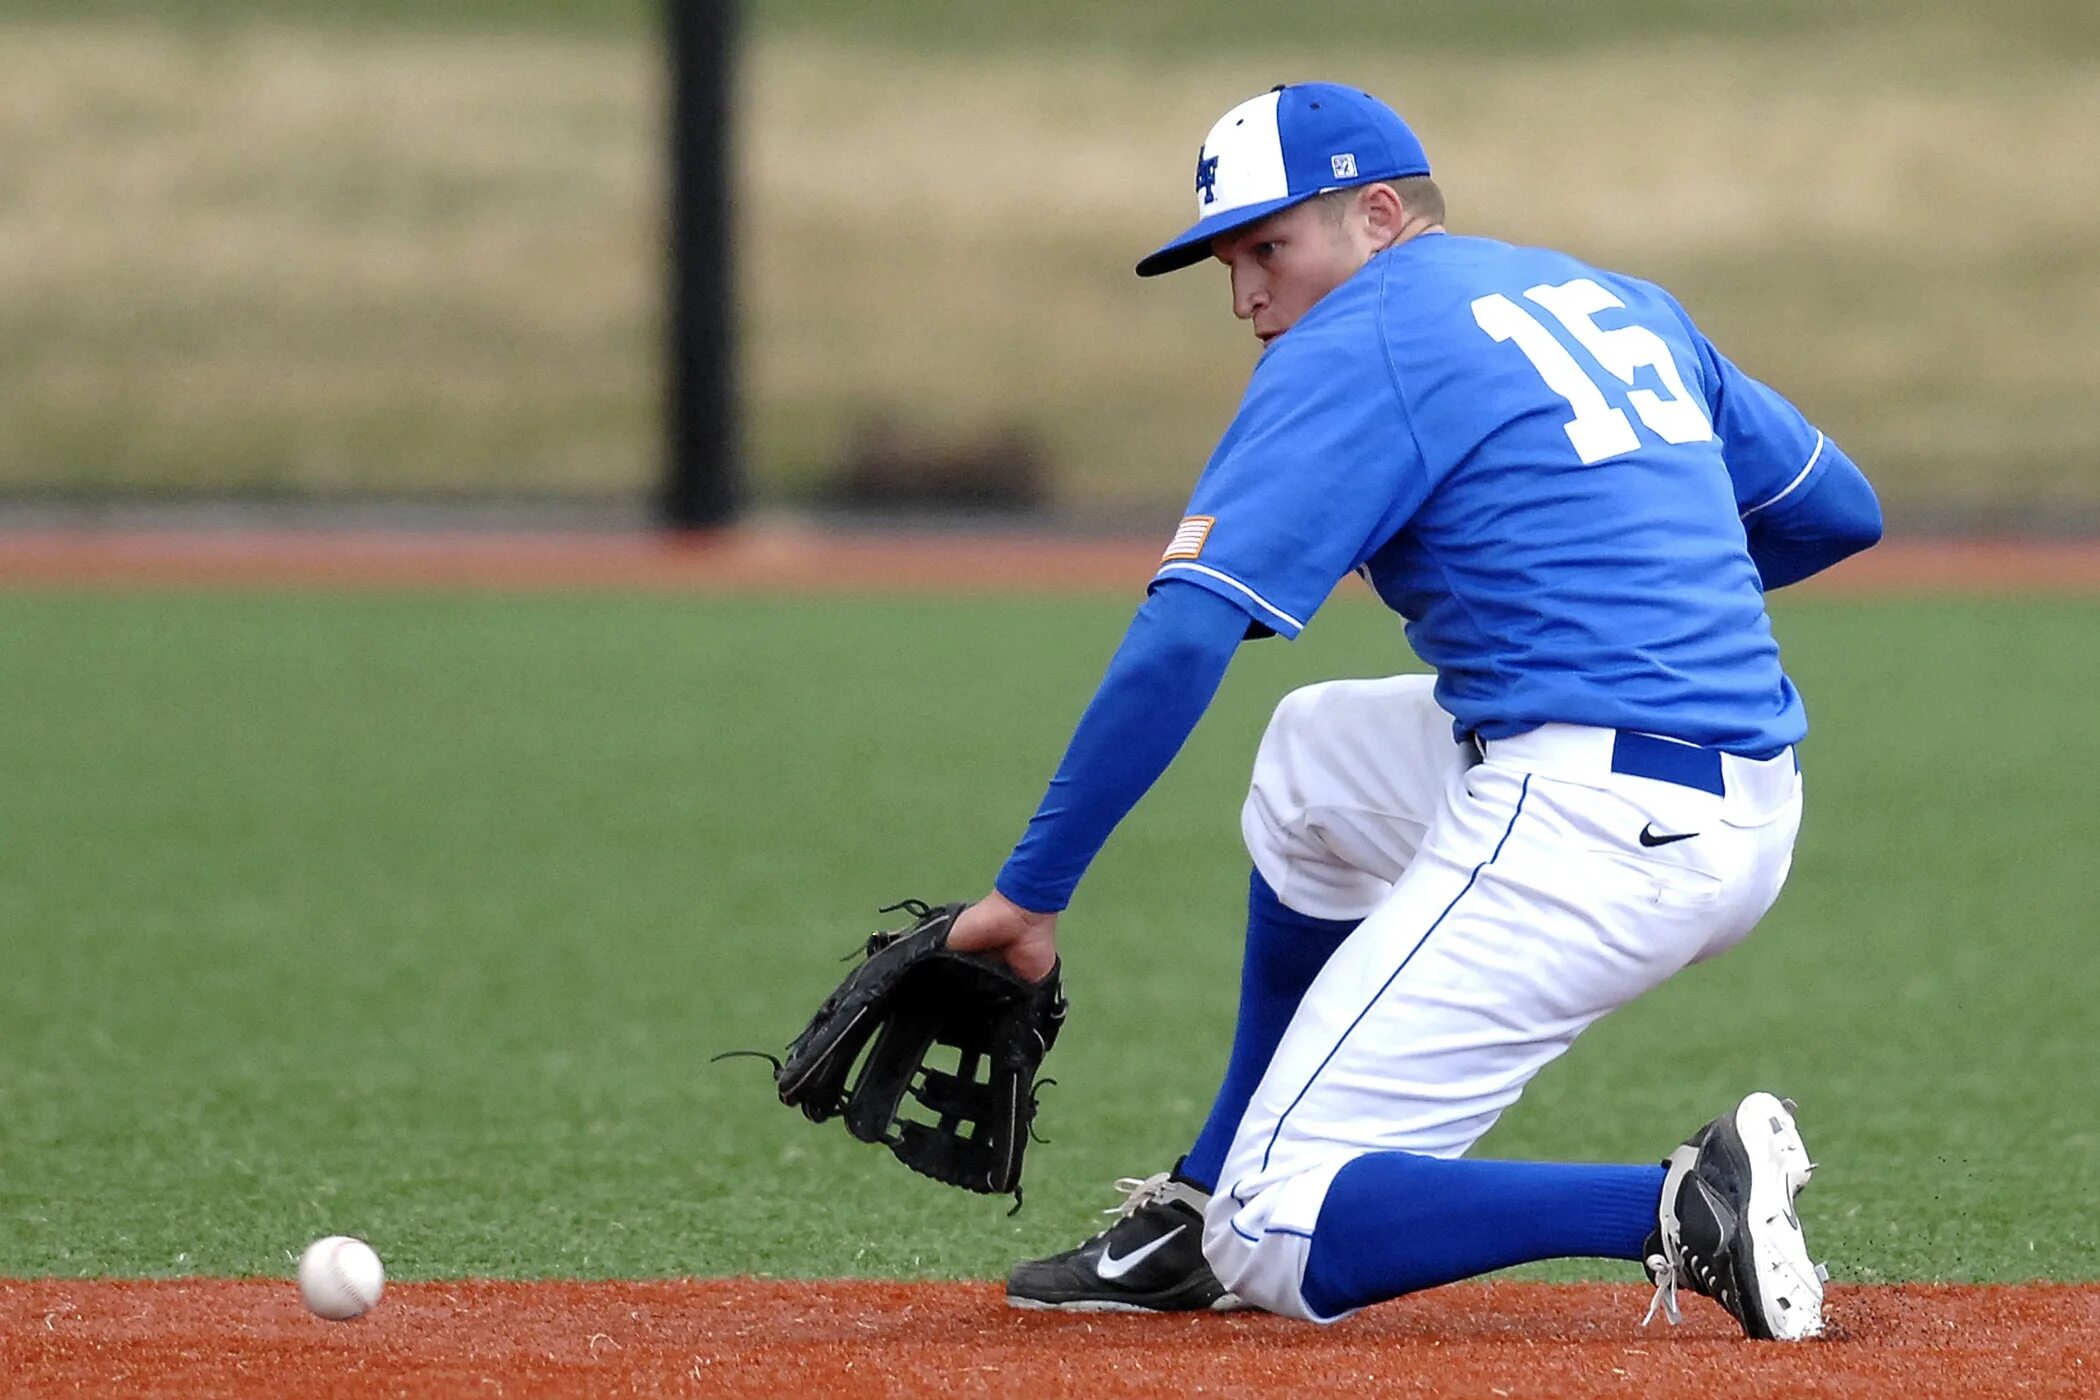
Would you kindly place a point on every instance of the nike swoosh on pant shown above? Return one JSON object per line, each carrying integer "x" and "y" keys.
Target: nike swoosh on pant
{"x": 1112, "y": 1268}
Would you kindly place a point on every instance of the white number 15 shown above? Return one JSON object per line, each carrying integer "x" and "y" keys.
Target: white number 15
{"x": 1597, "y": 430}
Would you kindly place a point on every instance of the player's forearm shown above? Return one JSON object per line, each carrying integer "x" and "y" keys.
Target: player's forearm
{"x": 1157, "y": 687}
{"x": 1833, "y": 516}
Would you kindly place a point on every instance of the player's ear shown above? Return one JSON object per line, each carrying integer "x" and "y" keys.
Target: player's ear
{"x": 1383, "y": 212}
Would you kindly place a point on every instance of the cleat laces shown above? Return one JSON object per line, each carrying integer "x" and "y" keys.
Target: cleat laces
{"x": 1139, "y": 1192}
{"x": 1693, "y": 1269}
{"x": 1665, "y": 1300}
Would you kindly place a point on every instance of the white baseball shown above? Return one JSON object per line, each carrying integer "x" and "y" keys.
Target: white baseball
{"x": 340, "y": 1277}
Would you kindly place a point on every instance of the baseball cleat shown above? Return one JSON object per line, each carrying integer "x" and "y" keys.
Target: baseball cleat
{"x": 1149, "y": 1260}
{"x": 1727, "y": 1226}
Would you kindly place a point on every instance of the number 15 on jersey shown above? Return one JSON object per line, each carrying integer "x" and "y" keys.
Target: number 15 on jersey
{"x": 1598, "y": 430}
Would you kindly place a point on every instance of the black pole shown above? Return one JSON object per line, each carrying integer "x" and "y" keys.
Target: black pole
{"x": 703, "y": 470}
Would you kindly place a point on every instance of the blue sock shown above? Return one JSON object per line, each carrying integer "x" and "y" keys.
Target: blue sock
{"x": 1395, "y": 1223}
{"x": 1285, "y": 951}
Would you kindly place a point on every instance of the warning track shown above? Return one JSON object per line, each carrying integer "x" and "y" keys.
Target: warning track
{"x": 789, "y": 559}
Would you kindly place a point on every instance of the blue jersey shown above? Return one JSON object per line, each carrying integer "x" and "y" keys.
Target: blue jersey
{"x": 1543, "y": 467}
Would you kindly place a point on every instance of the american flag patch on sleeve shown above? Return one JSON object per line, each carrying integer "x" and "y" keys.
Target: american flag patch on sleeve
{"x": 1188, "y": 540}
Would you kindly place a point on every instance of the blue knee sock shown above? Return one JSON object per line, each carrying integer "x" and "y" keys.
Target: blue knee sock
{"x": 1394, "y": 1222}
{"x": 1285, "y": 951}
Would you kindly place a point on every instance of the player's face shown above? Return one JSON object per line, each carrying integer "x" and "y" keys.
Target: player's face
{"x": 1286, "y": 262}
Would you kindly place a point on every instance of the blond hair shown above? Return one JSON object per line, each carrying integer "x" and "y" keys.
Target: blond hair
{"x": 1419, "y": 196}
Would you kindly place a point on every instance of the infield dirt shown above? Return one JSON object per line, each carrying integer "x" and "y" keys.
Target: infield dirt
{"x": 740, "y": 1337}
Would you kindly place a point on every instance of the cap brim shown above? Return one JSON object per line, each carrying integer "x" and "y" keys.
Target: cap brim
{"x": 1193, "y": 246}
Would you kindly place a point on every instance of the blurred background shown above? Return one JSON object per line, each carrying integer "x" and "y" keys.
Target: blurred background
{"x": 413, "y": 250}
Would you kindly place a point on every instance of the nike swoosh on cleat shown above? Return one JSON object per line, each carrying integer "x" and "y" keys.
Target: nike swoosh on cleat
{"x": 1112, "y": 1268}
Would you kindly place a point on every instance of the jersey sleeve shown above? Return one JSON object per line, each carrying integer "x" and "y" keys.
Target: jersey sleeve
{"x": 1803, "y": 504}
{"x": 1160, "y": 682}
{"x": 1771, "y": 449}
{"x": 1831, "y": 517}
{"x": 1317, "y": 471}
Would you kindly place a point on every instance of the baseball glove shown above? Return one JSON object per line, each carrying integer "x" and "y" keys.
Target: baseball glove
{"x": 912, "y": 993}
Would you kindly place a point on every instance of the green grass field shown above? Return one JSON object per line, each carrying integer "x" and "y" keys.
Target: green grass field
{"x": 418, "y": 917}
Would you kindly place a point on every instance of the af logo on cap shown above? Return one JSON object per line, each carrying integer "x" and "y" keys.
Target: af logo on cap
{"x": 1344, "y": 165}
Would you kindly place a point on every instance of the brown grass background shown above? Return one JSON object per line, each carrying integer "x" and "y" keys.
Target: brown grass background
{"x": 282, "y": 258}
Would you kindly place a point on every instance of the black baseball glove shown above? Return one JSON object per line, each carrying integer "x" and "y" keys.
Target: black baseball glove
{"x": 912, "y": 993}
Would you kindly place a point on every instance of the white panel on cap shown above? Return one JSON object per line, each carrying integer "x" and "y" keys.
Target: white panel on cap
{"x": 1249, "y": 153}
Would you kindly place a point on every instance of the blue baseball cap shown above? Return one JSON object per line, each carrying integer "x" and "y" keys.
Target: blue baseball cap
{"x": 1282, "y": 148}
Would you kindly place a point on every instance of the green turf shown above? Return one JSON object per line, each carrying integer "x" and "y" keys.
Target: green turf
{"x": 418, "y": 918}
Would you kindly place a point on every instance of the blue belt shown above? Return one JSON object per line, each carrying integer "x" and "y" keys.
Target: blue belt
{"x": 1645, "y": 756}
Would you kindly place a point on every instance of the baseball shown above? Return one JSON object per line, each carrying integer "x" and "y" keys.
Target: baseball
{"x": 340, "y": 1277}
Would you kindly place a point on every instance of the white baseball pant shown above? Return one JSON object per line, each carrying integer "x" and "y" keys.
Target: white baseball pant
{"x": 1511, "y": 894}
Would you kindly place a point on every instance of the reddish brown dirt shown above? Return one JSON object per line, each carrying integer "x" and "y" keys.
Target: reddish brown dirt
{"x": 730, "y": 1337}
{"x": 779, "y": 559}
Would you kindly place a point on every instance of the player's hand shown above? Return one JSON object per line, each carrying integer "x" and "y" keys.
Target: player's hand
{"x": 995, "y": 924}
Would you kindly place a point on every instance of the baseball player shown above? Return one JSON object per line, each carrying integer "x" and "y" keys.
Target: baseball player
{"x": 1577, "y": 506}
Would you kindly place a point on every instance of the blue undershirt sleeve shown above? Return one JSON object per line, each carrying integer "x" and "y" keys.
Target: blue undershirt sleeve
{"x": 1832, "y": 515}
{"x": 1158, "y": 685}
